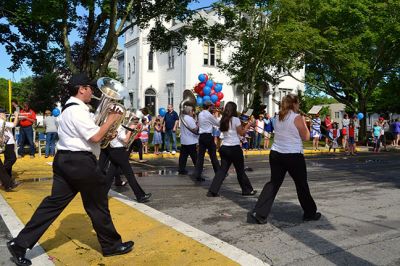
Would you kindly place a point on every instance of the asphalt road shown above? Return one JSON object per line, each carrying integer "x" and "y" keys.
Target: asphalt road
{"x": 358, "y": 197}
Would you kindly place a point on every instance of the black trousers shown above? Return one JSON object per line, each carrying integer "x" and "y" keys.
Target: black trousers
{"x": 281, "y": 163}
{"x": 74, "y": 172}
{"x": 231, "y": 155}
{"x": 9, "y": 158}
{"x": 119, "y": 159}
{"x": 5, "y": 178}
{"x": 137, "y": 143}
{"x": 206, "y": 142}
{"x": 185, "y": 152}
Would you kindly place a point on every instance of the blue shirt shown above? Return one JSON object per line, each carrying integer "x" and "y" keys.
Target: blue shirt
{"x": 169, "y": 120}
{"x": 377, "y": 131}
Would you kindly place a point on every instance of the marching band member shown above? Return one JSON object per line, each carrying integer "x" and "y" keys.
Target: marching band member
{"x": 231, "y": 152}
{"x": 9, "y": 152}
{"x": 287, "y": 156}
{"x": 189, "y": 140}
{"x": 75, "y": 170}
{"x": 119, "y": 158}
{"x": 206, "y": 141}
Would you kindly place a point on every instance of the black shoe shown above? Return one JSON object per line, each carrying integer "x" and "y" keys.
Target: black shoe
{"x": 212, "y": 194}
{"x": 200, "y": 179}
{"x": 145, "y": 198}
{"x": 251, "y": 193}
{"x": 123, "y": 248}
{"x": 122, "y": 184}
{"x": 18, "y": 254}
{"x": 184, "y": 172}
{"x": 315, "y": 217}
{"x": 254, "y": 216}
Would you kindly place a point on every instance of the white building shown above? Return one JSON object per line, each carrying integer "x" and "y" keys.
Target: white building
{"x": 157, "y": 79}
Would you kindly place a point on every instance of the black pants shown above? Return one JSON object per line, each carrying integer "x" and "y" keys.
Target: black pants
{"x": 9, "y": 158}
{"x": 119, "y": 158}
{"x": 281, "y": 163}
{"x": 74, "y": 172}
{"x": 187, "y": 150}
{"x": 229, "y": 155}
{"x": 5, "y": 178}
{"x": 137, "y": 143}
{"x": 206, "y": 142}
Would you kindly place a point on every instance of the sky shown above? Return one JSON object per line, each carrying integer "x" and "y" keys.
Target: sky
{"x": 25, "y": 71}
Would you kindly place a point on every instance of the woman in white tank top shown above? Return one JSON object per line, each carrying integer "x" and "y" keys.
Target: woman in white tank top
{"x": 287, "y": 156}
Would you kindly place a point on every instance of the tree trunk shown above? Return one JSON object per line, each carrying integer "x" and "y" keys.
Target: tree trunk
{"x": 245, "y": 100}
{"x": 362, "y": 135}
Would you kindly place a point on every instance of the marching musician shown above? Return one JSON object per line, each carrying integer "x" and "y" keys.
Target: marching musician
{"x": 231, "y": 152}
{"x": 75, "y": 170}
{"x": 206, "y": 141}
{"x": 287, "y": 156}
{"x": 9, "y": 151}
{"x": 119, "y": 158}
{"x": 189, "y": 139}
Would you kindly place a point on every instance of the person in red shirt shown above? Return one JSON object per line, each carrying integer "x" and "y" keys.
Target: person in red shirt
{"x": 351, "y": 137}
{"x": 328, "y": 125}
{"x": 27, "y": 117}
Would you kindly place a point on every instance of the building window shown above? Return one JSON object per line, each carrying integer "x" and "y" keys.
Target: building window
{"x": 129, "y": 70}
{"x": 133, "y": 65}
{"x": 151, "y": 57}
{"x": 211, "y": 54}
{"x": 170, "y": 89}
{"x": 171, "y": 58}
{"x": 337, "y": 115}
{"x": 283, "y": 93}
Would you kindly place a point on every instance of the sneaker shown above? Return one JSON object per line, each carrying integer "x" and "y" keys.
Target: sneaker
{"x": 173, "y": 152}
{"x": 142, "y": 161}
{"x": 253, "y": 216}
{"x": 32, "y": 156}
{"x": 165, "y": 152}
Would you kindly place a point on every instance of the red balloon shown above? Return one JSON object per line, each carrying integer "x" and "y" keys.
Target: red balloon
{"x": 197, "y": 89}
{"x": 201, "y": 93}
{"x": 220, "y": 95}
{"x": 217, "y": 103}
{"x": 202, "y": 85}
{"x": 212, "y": 92}
{"x": 213, "y": 86}
{"x": 206, "y": 78}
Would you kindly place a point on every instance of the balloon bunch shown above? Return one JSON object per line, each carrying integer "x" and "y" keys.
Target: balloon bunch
{"x": 208, "y": 91}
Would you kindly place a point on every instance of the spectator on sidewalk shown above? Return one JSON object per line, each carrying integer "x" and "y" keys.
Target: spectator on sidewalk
{"x": 376, "y": 133}
{"x": 144, "y": 135}
{"x": 171, "y": 120}
{"x": 316, "y": 131}
{"x": 345, "y": 126}
{"x": 157, "y": 139}
{"x": 259, "y": 131}
{"x": 50, "y": 126}
{"x": 334, "y": 134}
{"x": 396, "y": 132}
{"x": 328, "y": 126}
{"x": 27, "y": 117}
{"x": 268, "y": 129}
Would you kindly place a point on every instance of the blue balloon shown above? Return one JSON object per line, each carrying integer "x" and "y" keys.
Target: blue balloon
{"x": 56, "y": 112}
{"x": 199, "y": 100}
{"x": 360, "y": 116}
{"x": 218, "y": 87}
{"x": 207, "y": 90}
{"x": 214, "y": 98}
{"x": 162, "y": 111}
{"x": 209, "y": 83}
{"x": 206, "y": 99}
{"x": 202, "y": 77}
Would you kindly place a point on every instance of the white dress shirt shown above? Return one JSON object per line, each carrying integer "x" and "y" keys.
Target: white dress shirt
{"x": 8, "y": 131}
{"x": 187, "y": 137}
{"x": 206, "y": 122}
{"x": 75, "y": 127}
{"x": 119, "y": 140}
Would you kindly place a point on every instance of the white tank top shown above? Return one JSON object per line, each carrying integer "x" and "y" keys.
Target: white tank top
{"x": 287, "y": 138}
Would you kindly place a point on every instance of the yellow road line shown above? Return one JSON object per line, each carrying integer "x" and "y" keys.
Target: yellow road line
{"x": 72, "y": 241}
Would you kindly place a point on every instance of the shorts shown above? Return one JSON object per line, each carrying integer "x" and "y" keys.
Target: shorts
{"x": 351, "y": 140}
{"x": 144, "y": 140}
{"x": 245, "y": 145}
{"x": 216, "y": 132}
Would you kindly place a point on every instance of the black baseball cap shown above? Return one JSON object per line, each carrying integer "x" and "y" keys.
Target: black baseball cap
{"x": 82, "y": 79}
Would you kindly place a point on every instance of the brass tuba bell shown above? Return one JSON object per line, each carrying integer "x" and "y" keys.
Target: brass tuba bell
{"x": 111, "y": 90}
{"x": 188, "y": 103}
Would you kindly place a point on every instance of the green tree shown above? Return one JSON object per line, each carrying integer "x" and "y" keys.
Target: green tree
{"x": 348, "y": 47}
{"x": 44, "y": 30}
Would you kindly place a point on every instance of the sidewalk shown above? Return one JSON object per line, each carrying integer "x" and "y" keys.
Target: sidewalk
{"x": 307, "y": 151}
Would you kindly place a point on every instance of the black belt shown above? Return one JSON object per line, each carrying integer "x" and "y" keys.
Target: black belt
{"x": 206, "y": 133}
{"x": 74, "y": 152}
